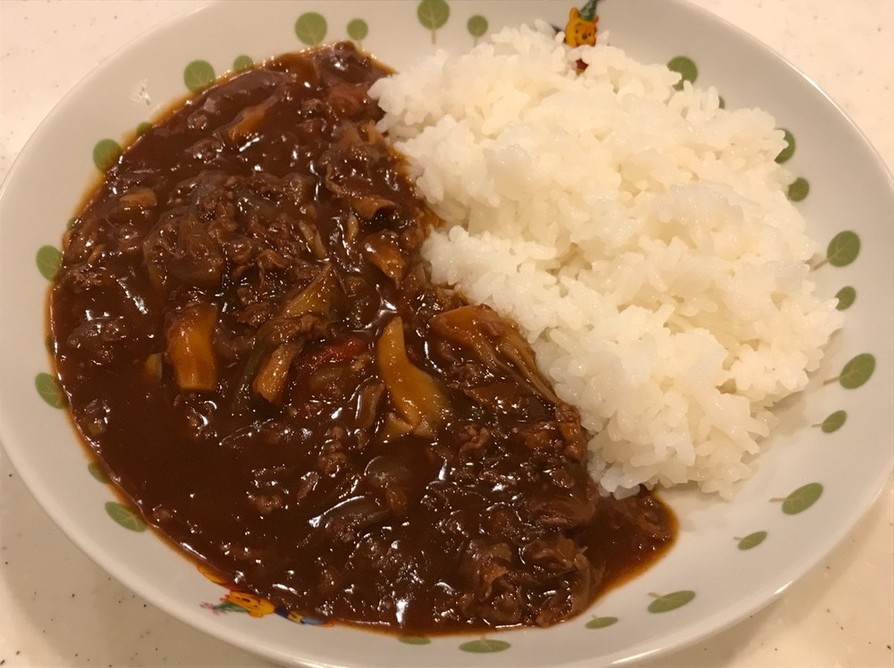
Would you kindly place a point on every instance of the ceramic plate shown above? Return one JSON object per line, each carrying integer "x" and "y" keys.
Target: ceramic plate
{"x": 822, "y": 467}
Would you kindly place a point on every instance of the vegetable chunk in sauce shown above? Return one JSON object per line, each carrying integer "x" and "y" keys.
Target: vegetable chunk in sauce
{"x": 251, "y": 345}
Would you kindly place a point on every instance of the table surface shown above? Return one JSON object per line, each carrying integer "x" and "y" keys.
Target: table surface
{"x": 59, "y": 609}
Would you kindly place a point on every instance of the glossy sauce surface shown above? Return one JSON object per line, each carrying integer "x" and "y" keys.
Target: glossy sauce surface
{"x": 250, "y": 344}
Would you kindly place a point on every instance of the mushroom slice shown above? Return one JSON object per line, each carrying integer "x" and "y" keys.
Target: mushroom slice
{"x": 417, "y": 397}
{"x": 190, "y": 348}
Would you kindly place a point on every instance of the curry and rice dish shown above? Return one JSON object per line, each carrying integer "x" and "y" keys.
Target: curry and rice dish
{"x": 250, "y": 340}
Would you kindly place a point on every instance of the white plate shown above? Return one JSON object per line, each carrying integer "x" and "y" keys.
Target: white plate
{"x": 849, "y": 190}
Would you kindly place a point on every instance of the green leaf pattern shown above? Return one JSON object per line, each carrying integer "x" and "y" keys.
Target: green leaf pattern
{"x": 311, "y": 28}
{"x": 601, "y": 622}
{"x": 105, "y": 154}
{"x": 846, "y": 297}
{"x": 789, "y": 150}
{"x": 856, "y": 372}
{"x": 752, "y": 540}
{"x": 477, "y": 27}
{"x": 843, "y": 249}
{"x": 833, "y": 422}
{"x": 198, "y": 75}
{"x": 685, "y": 67}
{"x": 672, "y": 601}
{"x": 97, "y": 472}
{"x": 802, "y": 498}
{"x": 125, "y": 517}
{"x": 48, "y": 259}
{"x": 48, "y": 388}
{"x": 799, "y": 189}
{"x": 242, "y": 62}
{"x": 433, "y": 14}
{"x": 358, "y": 30}
{"x": 484, "y": 646}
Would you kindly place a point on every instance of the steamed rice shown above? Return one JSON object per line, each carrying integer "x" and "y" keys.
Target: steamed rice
{"x": 641, "y": 237}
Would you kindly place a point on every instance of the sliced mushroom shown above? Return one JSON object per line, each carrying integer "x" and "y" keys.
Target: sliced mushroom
{"x": 493, "y": 339}
{"x": 139, "y": 198}
{"x": 271, "y": 379}
{"x": 153, "y": 365}
{"x": 382, "y": 249}
{"x": 249, "y": 119}
{"x": 190, "y": 348}
{"x": 417, "y": 397}
{"x": 320, "y": 297}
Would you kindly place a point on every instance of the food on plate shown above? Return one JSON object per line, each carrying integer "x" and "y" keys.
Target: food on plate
{"x": 249, "y": 341}
{"x": 638, "y": 233}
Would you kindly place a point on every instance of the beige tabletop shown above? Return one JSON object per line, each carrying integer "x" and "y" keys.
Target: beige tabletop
{"x": 59, "y": 609}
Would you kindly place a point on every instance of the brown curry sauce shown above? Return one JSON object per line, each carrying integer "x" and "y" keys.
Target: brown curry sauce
{"x": 249, "y": 342}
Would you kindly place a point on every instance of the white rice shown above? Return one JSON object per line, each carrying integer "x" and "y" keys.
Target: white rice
{"x": 640, "y": 236}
